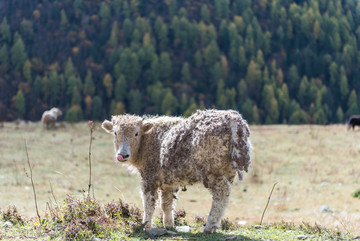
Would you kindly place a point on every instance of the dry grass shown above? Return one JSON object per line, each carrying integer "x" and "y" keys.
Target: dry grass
{"x": 313, "y": 165}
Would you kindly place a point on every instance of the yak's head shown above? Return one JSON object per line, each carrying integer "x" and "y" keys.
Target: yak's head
{"x": 128, "y": 131}
{"x": 56, "y": 111}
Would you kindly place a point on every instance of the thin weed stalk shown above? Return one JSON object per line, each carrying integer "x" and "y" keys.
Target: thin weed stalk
{"x": 267, "y": 202}
{"x": 32, "y": 181}
{"x": 52, "y": 193}
{"x": 91, "y": 126}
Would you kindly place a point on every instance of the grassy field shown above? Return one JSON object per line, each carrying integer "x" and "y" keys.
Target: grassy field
{"x": 313, "y": 166}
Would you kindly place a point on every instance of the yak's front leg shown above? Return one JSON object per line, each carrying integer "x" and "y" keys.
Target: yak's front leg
{"x": 220, "y": 190}
{"x": 149, "y": 196}
{"x": 168, "y": 197}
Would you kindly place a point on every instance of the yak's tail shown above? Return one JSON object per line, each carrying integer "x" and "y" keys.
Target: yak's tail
{"x": 240, "y": 145}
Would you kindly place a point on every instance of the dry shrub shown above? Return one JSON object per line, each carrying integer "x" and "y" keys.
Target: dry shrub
{"x": 11, "y": 214}
{"x": 200, "y": 220}
{"x": 83, "y": 219}
{"x": 227, "y": 225}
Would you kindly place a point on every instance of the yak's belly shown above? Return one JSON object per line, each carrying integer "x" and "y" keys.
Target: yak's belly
{"x": 181, "y": 176}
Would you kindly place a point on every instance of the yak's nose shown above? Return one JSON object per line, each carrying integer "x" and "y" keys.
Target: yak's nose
{"x": 124, "y": 154}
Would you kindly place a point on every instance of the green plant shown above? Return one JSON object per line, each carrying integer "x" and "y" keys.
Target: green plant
{"x": 356, "y": 194}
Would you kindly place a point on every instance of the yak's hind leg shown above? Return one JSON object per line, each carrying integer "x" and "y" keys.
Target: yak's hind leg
{"x": 168, "y": 197}
{"x": 220, "y": 189}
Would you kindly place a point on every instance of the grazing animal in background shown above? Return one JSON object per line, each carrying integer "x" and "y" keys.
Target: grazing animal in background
{"x": 353, "y": 121}
{"x": 49, "y": 117}
{"x": 209, "y": 147}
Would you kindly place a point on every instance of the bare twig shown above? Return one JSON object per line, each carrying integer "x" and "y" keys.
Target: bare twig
{"x": 341, "y": 222}
{"x": 91, "y": 126}
{"x": 267, "y": 202}
{"x": 52, "y": 192}
{"x": 32, "y": 181}
{"x": 16, "y": 173}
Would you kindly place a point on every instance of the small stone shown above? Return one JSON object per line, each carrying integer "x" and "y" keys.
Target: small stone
{"x": 302, "y": 237}
{"x": 232, "y": 238}
{"x": 183, "y": 229}
{"x": 8, "y": 224}
{"x": 324, "y": 208}
{"x": 96, "y": 239}
{"x": 171, "y": 232}
{"x": 258, "y": 226}
{"x": 155, "y": 232}
{"x": 242, "y": 222}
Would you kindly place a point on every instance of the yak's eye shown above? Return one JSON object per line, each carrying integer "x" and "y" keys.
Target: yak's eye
{"x": 136, "y": 134}
{"x": 115, "y": 133}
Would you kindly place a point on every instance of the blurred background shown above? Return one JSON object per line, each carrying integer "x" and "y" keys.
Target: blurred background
{"x": 276, "y": 61}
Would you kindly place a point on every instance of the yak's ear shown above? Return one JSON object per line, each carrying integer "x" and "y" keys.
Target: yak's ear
{"x": 107, "y": 126}
{"x": 147, "y": 128}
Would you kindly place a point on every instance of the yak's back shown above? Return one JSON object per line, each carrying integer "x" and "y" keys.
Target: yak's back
{"x": 211, "y": 136}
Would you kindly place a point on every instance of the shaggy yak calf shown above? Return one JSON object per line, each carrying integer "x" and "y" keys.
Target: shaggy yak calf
{"x": 209, "y": 147}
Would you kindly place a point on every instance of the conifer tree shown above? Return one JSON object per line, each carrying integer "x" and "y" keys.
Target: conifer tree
{"x": 89, "y": 87}
{"x": 343, "y": 84}
{"x": 27, "y": 29}
{"x": 198, "y": 59}
{"x": 169, "y": 104}
{"x": 165, "y": 66}
{"x": 135, "y": 102}
{"x": 242, "y": 91}
{"x": 270, "y": 105}
{"x": 156, "y": 92}
{"x": 64, "y": 22}
{"x": 18, "y": 54}
{"x": 185, "y": 73}
{"x": 54, "y": 86}
{"x": 184, "y": 102}
{"x": 211, "y": 54}
{"x": 339, "y": 115}
{"x": 76, "y": 97}
{"x": 205, "y": 14}
{"x": 5, "y": 31}
{"x": 192, "y": 108}
{"x": 38, "y": 85}
{"x": 253, "y": 78}
{"x": 19, "y": 102}
{"x": 120, "y": 89}
{"x": 74, "y": 114}
{"x": 127, "y": 28}
{"x": 108, "y": 84}
{"x": 104, "y": 13}
{"x": 96, "y": 111}
{"x": 4, "y": 59}
{"x": 247, "y": 110}
{"x": 353, "y": 108}
{"x": 117, "y": 108}
{"x": 114, "y": 36}
{"x": 27, "y": 71}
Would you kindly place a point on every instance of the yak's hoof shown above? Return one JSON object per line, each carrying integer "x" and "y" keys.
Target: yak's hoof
{"x": 210, "y": 230}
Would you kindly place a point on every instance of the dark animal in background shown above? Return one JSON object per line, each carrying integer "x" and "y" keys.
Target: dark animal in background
{"x": 353, "y": 121}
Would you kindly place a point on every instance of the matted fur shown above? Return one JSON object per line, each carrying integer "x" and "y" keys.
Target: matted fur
{"x": 49, "y": 117}
{"x": 209, "y": 147}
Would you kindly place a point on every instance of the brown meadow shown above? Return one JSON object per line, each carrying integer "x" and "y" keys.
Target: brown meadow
{"x": 313, "y": 165}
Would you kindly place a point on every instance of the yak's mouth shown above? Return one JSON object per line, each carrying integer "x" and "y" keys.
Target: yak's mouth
{"x": 122, "y": 158}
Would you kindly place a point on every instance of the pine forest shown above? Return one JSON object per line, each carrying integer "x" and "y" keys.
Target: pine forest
{"x": 275, "y": 61}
